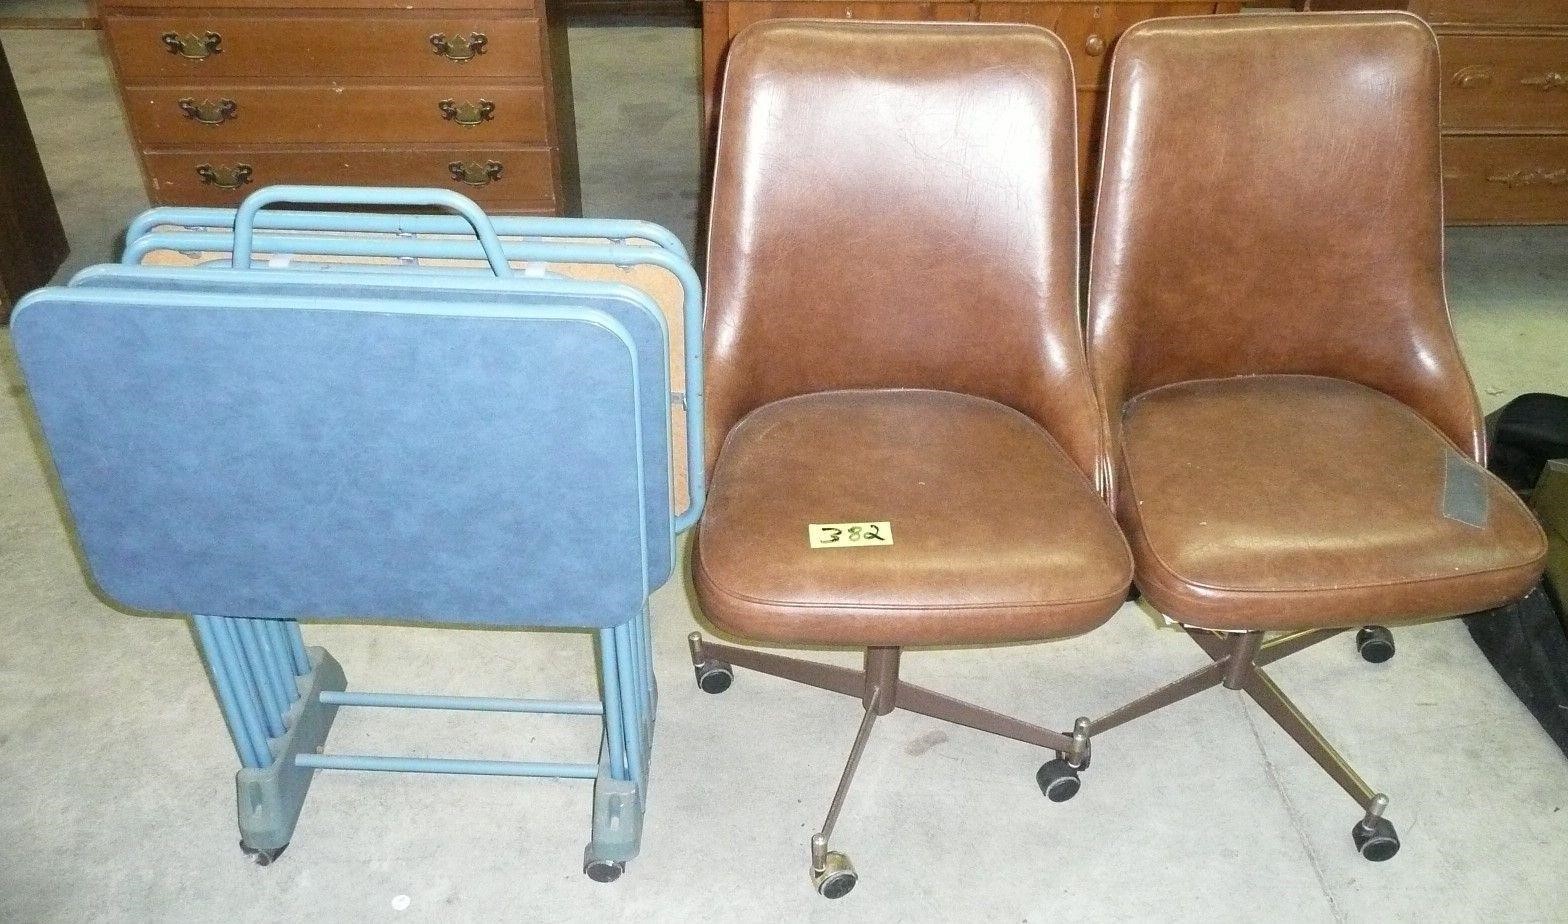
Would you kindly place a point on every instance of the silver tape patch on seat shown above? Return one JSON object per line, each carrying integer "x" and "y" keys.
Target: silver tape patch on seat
{"x": 1464, "y": 490}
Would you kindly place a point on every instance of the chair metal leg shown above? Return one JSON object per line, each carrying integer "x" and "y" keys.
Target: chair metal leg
{"x": 822, "y": 676}
{"x": 1286, "y": 645}
{"x": 880, "y": 691}
{"x": 937, "y": 706}
{"x": 1238, "y": 659}
{"x": 831, "y": 872}
{"x": 1196, "y": 682}
{"x": 1268, "y": 695}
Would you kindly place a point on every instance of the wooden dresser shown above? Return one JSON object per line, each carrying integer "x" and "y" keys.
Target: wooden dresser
{"x": 32, "y": 239}
{"x": 1505, "y": 109}
{"x": 1089, "y": 29}
{"x": 474, "y": 95}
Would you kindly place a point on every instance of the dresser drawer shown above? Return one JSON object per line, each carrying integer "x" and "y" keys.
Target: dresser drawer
{"x": 1505, "y": 180}
{"x": 1505, "y": 82}
{"x": 176, "y": 115}
{"x": 525, "y": 180}
{"x": 1497, "y": 11}
{"x": 200, "y": 48}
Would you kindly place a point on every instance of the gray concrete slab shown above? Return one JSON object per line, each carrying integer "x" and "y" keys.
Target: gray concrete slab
{"x": 116, "y": 774}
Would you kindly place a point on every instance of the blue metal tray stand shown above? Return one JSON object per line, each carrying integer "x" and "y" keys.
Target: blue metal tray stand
{"x": 256, "y": 446}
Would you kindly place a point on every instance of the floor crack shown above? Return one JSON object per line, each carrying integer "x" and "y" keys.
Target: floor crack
{"x": 1296, "y": 820}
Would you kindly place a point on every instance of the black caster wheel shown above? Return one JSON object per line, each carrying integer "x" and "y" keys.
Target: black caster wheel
{"x": 1375, "y": 643}
{"x": 263, "y": 857}
{"x": 836, "y": 877}
{"x": 714, "y": 676}
{"x": 604, "y": 870}
{"x": 1377, "y": 841}
{"x": 1058, "y": 780}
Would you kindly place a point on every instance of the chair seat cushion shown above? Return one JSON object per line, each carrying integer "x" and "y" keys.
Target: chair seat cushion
{"x": 997, "y": 536}
{"x": 1291, "y": 502}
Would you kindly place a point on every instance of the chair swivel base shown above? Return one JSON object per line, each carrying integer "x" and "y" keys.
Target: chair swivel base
{"x": 880, "y": 691}
{"x": 1238, "y": 661}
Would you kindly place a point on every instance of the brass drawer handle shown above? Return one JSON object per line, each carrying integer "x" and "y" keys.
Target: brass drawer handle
{"x": 225, "y": 177}
{"x": 1531, "y": 176}
{"x": 457, "y": 48}
{"x": 1547, "y": 82}
{"x": 193, "y": 46}
{"x": 475, "y": 174}
{"x": 1094, "y": 44}
{"x": 208, "y": 112}
{"x": 469, "y": 114}
{"x": 1474, "y": 77}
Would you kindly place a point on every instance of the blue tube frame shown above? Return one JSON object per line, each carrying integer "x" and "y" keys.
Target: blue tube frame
{"x": 612, "y": 229}
{"x": 446, "y": 765}
{"x": 257, "y": 663}
{"x": 461, "y": 703}
{"x": 227, "y": 670}
{"x": 245, "y": 218}
{"x": 237, "y": 651}
{"x": 228, "y": 696}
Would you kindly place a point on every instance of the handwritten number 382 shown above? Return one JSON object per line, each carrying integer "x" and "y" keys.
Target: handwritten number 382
{"x": 856, "y": 533}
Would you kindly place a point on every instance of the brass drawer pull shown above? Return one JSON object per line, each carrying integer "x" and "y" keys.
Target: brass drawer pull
{"x": 457, "y": 48}
{"x": 225, "y": 177}
{"x": 1094, "y": 44}
{"x": 1531, "y": 176}
{"x": 193, "y": 46}
{"x": 1474, "y": 77}
{"x": 475, "y": 174}
{"x": 208, "y": 112}
{"x": 1547, "y": 82}
{"x": 469, "y": 114}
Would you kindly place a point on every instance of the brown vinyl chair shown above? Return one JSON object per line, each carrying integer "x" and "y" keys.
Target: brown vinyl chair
{"x": 1299, "y": 447}
{"x": 892, "y": 343}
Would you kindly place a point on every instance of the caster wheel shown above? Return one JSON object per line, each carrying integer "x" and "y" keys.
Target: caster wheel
{"x": 263, "y": 857}
{"x": 1083, "y": 764}
{"x": 1058, "y": 780}
{"x": 604, "y": 870}
{"x": 714, "y": 676}
{"x": 1375, "y": 643}
{"x": 1378, "y": 842}
{"x": 836, "y": 877}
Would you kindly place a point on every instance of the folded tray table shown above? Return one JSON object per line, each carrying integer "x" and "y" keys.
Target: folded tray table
{"x": 254, "y": 447}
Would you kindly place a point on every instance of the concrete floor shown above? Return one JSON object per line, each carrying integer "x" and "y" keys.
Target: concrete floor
{"x": 116, "y": 792}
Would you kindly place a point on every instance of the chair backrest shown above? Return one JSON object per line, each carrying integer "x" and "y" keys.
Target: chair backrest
{"x": 1270, "y": 202}
{"x": 410, "y": 458}
{"x": 894, "y": 205}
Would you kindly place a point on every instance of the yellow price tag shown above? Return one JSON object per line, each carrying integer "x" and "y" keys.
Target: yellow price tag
{"x": 849, "y": 535}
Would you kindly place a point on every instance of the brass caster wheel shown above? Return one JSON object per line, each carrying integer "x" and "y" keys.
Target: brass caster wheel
{"x": 263, "y": 857}
{"x": 604, "y": 870}
{"x": 1058, "y": 780}
{"x": 1375, "y": 643}
{"x": 714, "y": 676}
{"x": 1376, "y": 839}
{"x": 836, "y": 877}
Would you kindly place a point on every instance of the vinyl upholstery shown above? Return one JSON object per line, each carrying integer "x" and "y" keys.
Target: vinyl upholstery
{"x": 996, "y": 534}
{"x": 892, "y": 334}
{"x": 1269, "y": 333}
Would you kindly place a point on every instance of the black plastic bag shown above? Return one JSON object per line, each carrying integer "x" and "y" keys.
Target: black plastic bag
{"x": 1526, "y": 643}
